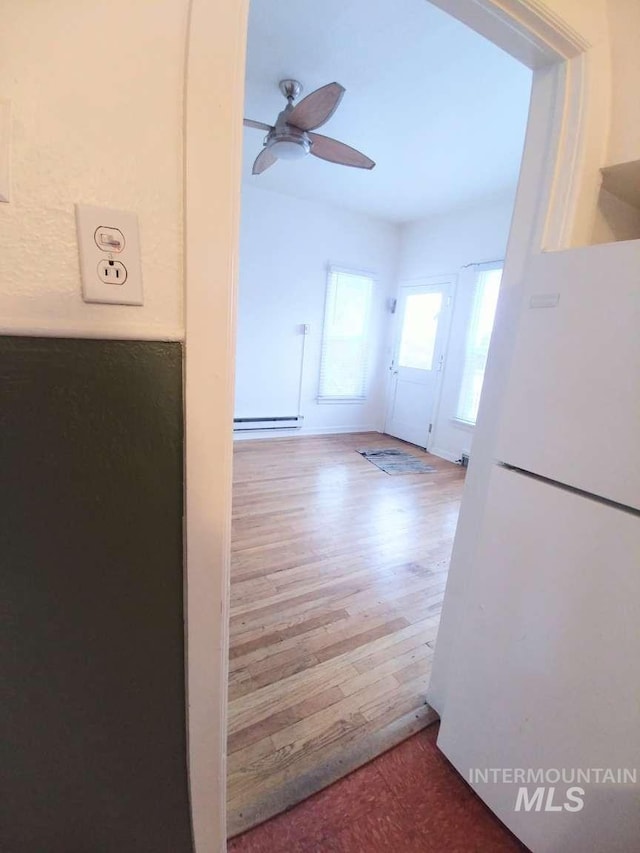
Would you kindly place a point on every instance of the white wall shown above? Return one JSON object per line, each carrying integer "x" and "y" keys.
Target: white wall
{"x": 443, "y": 245}
{"x": 97, "y": 91}
{"x": 286, "y": 245}
{"x": 624, "y": 30}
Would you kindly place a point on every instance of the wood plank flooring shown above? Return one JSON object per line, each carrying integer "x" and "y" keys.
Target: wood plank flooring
{"x": 337, "y": 577}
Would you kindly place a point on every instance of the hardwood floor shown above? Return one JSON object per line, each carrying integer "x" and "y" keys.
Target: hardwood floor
{"x": 337, "y": 577}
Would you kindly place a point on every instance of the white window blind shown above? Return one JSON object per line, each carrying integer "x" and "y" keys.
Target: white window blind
{"x": 345, "y": 336}
{"x": 485, "y": 301}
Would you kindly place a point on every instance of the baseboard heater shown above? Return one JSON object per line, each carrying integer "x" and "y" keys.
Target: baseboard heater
{"x": 283, "y": 422}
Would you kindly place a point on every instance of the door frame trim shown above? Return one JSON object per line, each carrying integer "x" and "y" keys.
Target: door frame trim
{"x": 214, "y": 85}
{"x": 559, "y": 180}
{"x": 453, "y": 282}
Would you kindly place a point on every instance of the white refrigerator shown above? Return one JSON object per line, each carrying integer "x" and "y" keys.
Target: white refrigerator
{"x": 543, "y": 688}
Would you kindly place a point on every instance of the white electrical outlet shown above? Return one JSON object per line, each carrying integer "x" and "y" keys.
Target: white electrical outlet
{"x": 112, "y": 272}
{"x": 109, "y": 245}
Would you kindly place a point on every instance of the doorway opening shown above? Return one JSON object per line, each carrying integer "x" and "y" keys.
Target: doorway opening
{"x": 357, "y": 295}
{"x": 557, "y": 194}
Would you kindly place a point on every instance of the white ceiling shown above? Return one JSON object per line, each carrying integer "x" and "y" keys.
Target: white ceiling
{"x": 441, "y": 110}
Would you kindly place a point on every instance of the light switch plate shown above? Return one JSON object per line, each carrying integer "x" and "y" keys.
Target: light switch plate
{"x": 109, "y": 245}
{"x": 5, "y": 150}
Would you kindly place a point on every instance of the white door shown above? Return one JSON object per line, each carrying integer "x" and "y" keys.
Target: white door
{"x": 418, "y": 360}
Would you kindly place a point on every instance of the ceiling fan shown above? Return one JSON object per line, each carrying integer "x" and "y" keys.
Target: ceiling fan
{"x": 291, "y": 138}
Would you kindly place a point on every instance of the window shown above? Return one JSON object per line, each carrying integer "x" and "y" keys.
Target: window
{"x": 345, "y": 336}
{"x": 419, "y": 330}
{"x": 485, "y": 301}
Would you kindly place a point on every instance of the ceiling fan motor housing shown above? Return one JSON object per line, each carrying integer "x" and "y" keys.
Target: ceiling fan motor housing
{"x": 286, "y": 141}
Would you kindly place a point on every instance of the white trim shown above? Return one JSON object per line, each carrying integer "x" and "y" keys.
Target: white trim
{"x": 466, "y": 425}
{"x": 428, "y": 280}
{"x": 27, "y": 328}
{"x": 583, "y": 118}
{"x": 214, "y": 79}
{"x": 453, "y": 293}
{"x": 365, "y": 273}
{"x": 549, "y": 28}
{"x": 341, "y": 401}
{"x": 527, "y": 29}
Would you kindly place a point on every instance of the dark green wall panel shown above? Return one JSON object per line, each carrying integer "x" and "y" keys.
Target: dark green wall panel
{"x": 92, "y": 711}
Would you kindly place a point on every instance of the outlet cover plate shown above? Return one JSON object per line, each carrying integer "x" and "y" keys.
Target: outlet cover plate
{"x": 5, "y": 150}
{"x": 92, "y": 224}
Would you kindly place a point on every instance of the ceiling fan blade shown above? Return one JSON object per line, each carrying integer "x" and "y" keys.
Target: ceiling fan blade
{"x": 262, "y": 162}
{"x": 259, "y": 125}
{"x": 317, "y": 107}
{"x": 337, "y": 152}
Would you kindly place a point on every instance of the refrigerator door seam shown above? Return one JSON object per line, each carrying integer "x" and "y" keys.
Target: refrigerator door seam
{"x": 573, "y": 489}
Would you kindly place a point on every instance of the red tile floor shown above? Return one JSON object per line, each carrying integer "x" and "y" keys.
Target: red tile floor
{"x": 409, "y": 800}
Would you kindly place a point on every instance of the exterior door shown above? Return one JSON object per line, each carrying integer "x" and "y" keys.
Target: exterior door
{"x": 418, "y": 360}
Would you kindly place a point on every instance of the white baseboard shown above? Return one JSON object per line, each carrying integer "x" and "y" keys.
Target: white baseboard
{"x": 444, "y": 454}
{"x": 308, "y": 431}
{"x": 340, "y": 430}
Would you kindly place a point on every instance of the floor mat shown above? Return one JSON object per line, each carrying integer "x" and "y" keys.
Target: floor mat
{"x": 394, "y": 461}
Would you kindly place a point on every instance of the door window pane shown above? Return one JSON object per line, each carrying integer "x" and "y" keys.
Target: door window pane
{"x": 419, "y": 329}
